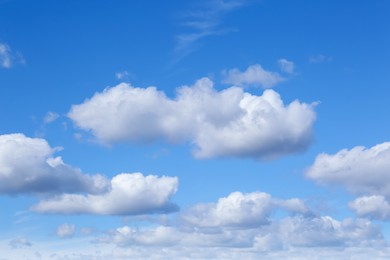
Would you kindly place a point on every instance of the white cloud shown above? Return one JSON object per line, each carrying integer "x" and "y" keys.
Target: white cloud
{"x": 66, "y": 230}
{"x": 241, "y": 226}
{"x": 240, "y": 210}
{"x": 375, "y": 206}
{"x": 27, "y": 165}
{"x": 254, "y": 75}
{"x": 286, "y": 66}
{"x": 360, "y": 170}
{"x": 20, "y": 242}
{"x": 50, "y": 117}
{"x": 130, "y": 194}
{"x": 320, "y": 59}
{"x": 223, "y": 123}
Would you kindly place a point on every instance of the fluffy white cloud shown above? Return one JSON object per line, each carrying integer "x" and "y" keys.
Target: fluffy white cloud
{"x": 375, "y": 206}
{"x": 360, "y": 170}
{"x": 66, "y": 230}
{"x": 240, "y": 210}
{"x": 27, "y": 165}
{"x": 254, "y": 75}
{"x": 130, "y": 194}
{"x": 223, "y": 123}
{"x": 286, "y": 66}
{"x": 236, "y": 231}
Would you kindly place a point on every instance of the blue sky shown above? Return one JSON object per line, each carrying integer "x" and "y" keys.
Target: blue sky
{"x": 194, "y": 129}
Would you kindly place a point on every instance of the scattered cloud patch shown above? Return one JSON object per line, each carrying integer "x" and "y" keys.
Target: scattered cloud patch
{"x": 225, "y": 228}
{"x": 227, "y": 123}
{"x": 50, "y": 117}
{"x": 286, "y": 66}
{"x": 361, "y": 170}
{"x": 254, "y": 75}
{"x": 240, "y": 210}
{"x": 374, "y": 207}
{"x": 130, "y": 194}
{"x": 320, "y": 59}
{"x": 20, "y": 242}
{"x": 66, "y": 230}
{"x": 27, "y": 165}
{"x": 122, "y": 75}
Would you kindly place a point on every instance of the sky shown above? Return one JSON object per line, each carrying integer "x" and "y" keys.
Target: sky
{"x": 217, "y": 129}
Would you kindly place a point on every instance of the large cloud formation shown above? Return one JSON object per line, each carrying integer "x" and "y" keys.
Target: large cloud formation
{"x": 130, "y": 194}
{"x": 363, "y": 171}
{"x": 242, "y": 226}
{"x": 27, "y": 165}
{"x": 223, "y": 123}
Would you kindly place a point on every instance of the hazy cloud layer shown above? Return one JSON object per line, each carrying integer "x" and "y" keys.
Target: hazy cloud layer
{"x": 27, "y": 165}
{"x": 130, "y": 194}
{"x": 254, "y": 75}
{"x": 226, "y": 123}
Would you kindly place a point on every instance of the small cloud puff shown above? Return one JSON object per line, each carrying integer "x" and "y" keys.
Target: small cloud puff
{"x": 66, "y": 230}
{"x": 254, "y": 75}
{"x": 286, "y": 66}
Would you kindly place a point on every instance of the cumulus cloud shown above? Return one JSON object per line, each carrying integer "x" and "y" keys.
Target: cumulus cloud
{"x": 254, "y": 75}
{"x": 240, "y": 210}
{"x": 227, "y": 123}
{"x": 361, "y": 170}
{"x": 242, "y": 223}
{"x": 130, "y": 194}
{"x": 286, "y": 66}
{"x": 66, "y": 230}
{"x": 375, "y": 206}
{"x": 27, "y": 165}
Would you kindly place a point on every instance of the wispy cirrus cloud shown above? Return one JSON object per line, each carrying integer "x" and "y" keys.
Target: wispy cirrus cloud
{"x": 8, "y": 57}
{"x": 204, "y": 20}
